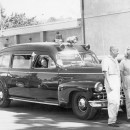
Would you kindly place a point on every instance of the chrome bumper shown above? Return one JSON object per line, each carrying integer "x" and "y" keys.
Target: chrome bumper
{"x": 98, "y": 103}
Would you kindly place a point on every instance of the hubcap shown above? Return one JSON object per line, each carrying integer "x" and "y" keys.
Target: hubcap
{"x": 1, "y": 95}
{"x": 82, "y": 104}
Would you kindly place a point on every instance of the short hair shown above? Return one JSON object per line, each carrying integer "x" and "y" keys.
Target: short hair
{"x": 113, "y": 48}
{"x": 126, "y": 54}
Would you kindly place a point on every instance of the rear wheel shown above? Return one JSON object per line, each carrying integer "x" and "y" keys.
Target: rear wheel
{"x": 81, "y": 106}
{"x": 4, "y": 101}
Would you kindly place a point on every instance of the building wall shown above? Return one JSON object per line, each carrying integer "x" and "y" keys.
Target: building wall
{"x": 107, "y": 22}
{"x": 7, "y": 41}
{"x": 32, "y": 37}
{"x": 35, "y": 37}
{"x": 50, "y": 35}
{"x": 40, "y": 33}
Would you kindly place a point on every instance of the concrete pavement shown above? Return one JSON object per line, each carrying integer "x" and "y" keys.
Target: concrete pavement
{"x": 28, "y": 116}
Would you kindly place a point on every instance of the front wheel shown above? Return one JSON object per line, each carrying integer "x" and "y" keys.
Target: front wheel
{"x": 4, "y": 101}
{"x": 81, "y": 106}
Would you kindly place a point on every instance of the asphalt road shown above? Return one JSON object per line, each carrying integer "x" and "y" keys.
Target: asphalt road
{"x": 28, "y": 116}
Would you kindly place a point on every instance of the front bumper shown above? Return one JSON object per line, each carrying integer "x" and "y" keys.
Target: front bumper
{"x": 98, "y": 103}
{"x": 103, "y": 103}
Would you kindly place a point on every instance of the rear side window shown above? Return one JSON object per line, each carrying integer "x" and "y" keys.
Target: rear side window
{"x": 4, "y": 61}
{"x": 21, "y": 61}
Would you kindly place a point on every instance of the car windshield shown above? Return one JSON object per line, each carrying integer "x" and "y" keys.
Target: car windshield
{"x": 69, "y": 58}
{"x": 86, "y": 57}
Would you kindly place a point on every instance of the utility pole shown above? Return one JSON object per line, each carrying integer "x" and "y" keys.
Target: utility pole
{"x": 82, "y": 21}
{"x": 1, "y": 20}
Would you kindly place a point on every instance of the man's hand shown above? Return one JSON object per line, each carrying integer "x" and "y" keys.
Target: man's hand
{"x": 109, "y": 86}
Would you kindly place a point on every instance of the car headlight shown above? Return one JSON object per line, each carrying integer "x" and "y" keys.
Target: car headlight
{"x": 98, "y": 87}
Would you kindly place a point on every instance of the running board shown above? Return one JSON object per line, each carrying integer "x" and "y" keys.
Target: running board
{"x": 55, "y": 103}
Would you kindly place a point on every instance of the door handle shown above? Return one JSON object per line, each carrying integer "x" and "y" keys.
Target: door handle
{"x": 20, "y": 84}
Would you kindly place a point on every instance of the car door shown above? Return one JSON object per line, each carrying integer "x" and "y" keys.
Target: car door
{"x": 44, "y": 79}
{"x": 4, "y": 64}
{"x": 19, "y": 74}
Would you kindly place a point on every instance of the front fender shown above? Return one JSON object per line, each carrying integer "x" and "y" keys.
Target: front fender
{"x": 66, "y": 89}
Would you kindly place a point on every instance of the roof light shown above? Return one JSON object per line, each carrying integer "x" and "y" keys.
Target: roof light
{"x": 60, "y": 47}
{"x": 86, "y": 47}
{"x": 72, "y": 40}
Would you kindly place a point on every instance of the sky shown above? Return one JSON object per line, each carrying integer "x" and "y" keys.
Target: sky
{"x": 43, "y": 9}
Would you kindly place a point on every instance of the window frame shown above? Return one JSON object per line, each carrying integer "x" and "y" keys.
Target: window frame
{"x": 3, "y": 54}
{"x": 21, "y": 54}
{"x": 36, "y": 60}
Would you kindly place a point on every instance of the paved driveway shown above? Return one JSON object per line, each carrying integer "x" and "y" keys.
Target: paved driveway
{"x": 28, "y": 116}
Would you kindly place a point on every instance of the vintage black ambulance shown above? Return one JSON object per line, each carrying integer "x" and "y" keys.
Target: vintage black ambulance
{"x": 48, "y": 73}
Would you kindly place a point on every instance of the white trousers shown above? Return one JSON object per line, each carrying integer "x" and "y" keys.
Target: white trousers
{"x": 113, "y": 97}
{"x": 127, "y": 95}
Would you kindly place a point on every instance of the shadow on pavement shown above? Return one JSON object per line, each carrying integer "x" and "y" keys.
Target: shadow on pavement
{"x": 31, "y": 116}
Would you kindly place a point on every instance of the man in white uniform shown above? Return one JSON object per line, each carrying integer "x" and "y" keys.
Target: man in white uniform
{"x": 111, "y": 71}
{"x": 125, "y": 75}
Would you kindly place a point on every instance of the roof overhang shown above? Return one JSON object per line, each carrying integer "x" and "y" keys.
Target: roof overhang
{"x": 42, "y": 27}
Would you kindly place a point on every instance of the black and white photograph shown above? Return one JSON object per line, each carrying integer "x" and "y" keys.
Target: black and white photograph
{"x": 64, "y": 64}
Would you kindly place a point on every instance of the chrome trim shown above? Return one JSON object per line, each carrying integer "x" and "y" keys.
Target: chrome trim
{"x": 96, "y": 85}
{"x": 98, "y": 104}
{"x": 1, "y": 95}
{"x": 17, "y": 54}
{"x": 98, "y": 101}
{"x": 34, "y": 101}
{"x": 82, "y": 104}
{"x": 55, "y": 73}
{"x": 81, "y": 73}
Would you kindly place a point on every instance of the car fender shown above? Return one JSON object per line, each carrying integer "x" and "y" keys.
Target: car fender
{"x": 66, "y": 89}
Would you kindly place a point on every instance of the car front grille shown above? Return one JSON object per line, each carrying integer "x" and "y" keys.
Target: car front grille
{"x": 103, "y": 95}
{"x": 100, "y": 96}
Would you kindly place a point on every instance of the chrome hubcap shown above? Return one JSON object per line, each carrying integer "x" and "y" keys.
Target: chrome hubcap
{"x": 82, "y": 104}
{"x": 1, "y": 95}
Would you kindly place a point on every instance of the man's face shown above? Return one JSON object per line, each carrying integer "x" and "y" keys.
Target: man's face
{"x": 115, "y": 52}
{"x": 44, "y": 63}
{"x": 128, "y": 52}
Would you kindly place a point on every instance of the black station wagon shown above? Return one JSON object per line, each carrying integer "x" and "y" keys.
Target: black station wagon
{"x": 48, "y": 73}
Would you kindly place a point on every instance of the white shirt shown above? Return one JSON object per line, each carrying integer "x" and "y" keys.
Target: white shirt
{"x": 110, "y": 65}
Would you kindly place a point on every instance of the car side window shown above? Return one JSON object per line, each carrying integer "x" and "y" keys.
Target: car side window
{"x": 44, "y": 62}
{"x": 89, "y": 58}
{"x": 4, "y": 61}
{"x": 21, "y": 61}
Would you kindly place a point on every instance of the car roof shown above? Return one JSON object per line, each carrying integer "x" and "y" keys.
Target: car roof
{"x": 39, "y": 46}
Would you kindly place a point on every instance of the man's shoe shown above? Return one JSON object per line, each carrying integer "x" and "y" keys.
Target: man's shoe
{"x": 128, "y": 120}
{"x": 118, "y": 122}
{"x": 113, "y": 125}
